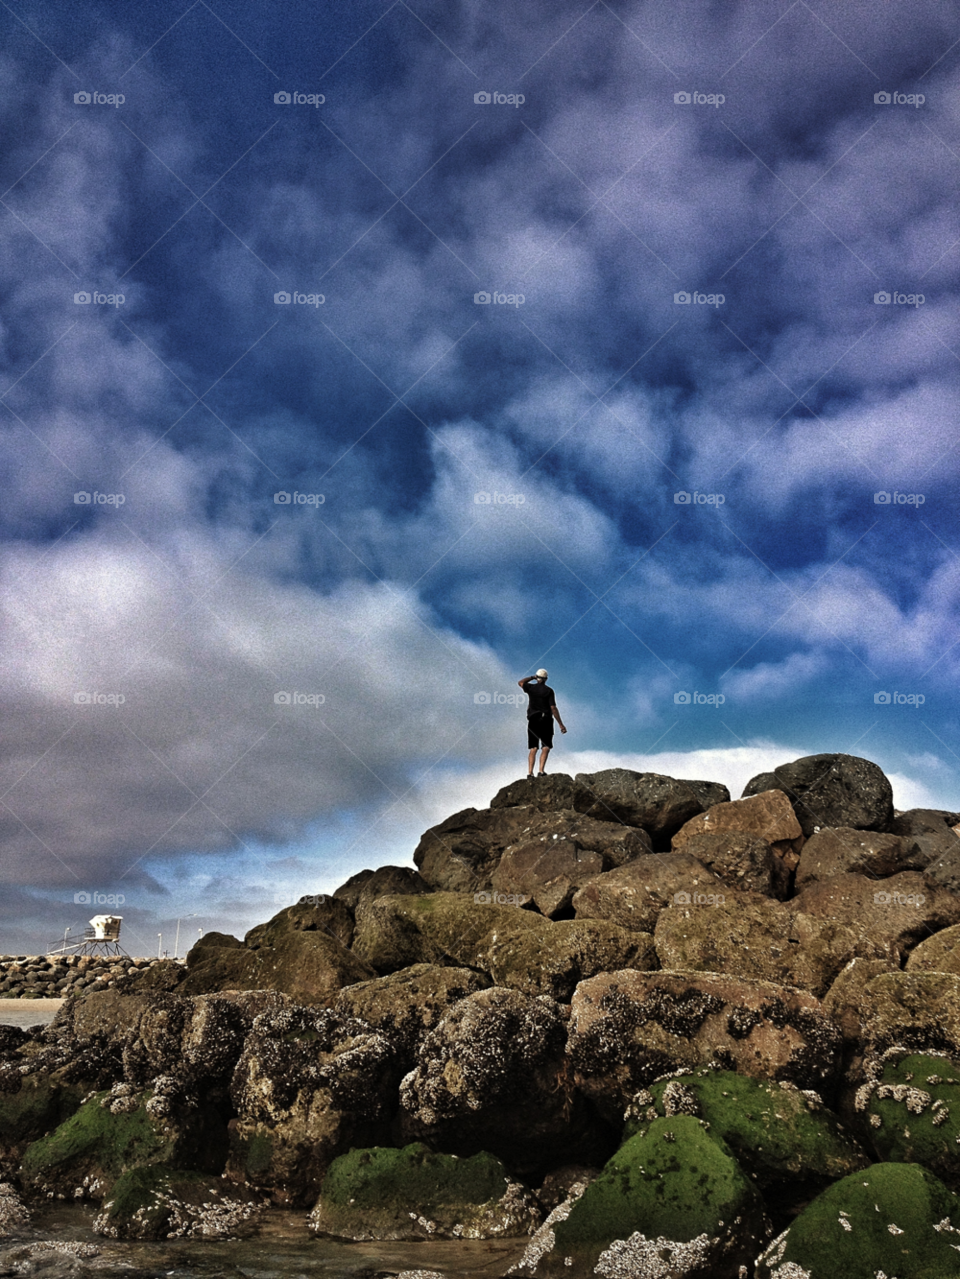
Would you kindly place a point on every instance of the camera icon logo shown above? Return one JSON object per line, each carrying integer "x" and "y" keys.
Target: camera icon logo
{"x": 681, "y": 899}
{"x": 481, "y": 298}
{"x": 481, "y": 499}
{"x": 81, "y": 499}
{"x": 82, "y": 299}
{"x": 81, "y": 899}
{"x": 881, "y": 499}
{"x": 681, "y": 699}
{"x": 882, "y": 99}
{"x": 82, "y": 699}
{"x": 481, "y": 699}
{"x": 681, "y": 499}
{"x": 282, "y": 298}
{"x": 82, "y": 99}
{"x": 281, "y": 699}
{"x": 282, "y": 99}
{"x": 881, "y": 699}
{"x": 882, "y": 298}
{"x": 682, "y": 98}
{"x": 481, "y": 98}
{"x": 882, "y": 899}
{"x": 482, "y": 899}
{"x": 282, "y": 498}
{"x": 682, "y": 297}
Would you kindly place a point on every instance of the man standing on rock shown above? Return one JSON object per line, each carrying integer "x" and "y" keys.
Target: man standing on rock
{"x": 541, "y": 712}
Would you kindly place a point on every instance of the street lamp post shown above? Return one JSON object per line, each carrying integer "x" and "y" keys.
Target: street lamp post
{"x": 159, "y": 943}
{"x": 176, "y": 948}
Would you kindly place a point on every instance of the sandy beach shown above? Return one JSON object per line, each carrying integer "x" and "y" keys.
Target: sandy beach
{"x": 28, "y": 1012}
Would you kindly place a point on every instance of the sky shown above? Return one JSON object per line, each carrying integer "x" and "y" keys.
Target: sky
{"x": 357, "y": 360}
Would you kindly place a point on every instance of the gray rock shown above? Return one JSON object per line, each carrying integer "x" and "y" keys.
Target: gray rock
{"x": 741, "y": 861}
{"x": 843, "y": 850}
{"x": 832, "y": 790}
{"x": 658, "y": 803}
{"x": 634, "y": 895}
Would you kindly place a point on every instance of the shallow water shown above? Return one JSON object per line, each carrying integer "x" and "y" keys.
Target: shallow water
{"x": 28, "y": 1012}
{"x": 284, "y": 1249}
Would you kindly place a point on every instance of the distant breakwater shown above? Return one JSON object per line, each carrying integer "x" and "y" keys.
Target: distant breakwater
{"x": 58, "y": 976}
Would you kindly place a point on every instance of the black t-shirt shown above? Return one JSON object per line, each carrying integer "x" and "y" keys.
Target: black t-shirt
{"x": 540, "y": 697}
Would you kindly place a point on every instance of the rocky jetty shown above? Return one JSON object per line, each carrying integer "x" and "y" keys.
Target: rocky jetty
{"x": 650, "y": 1030}
{"x": 58, "y": 976}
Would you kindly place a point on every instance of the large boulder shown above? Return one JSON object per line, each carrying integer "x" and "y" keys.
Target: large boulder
{"x": 323, "y": 913}
{"x": 493, "y": 1076}
{"x": 406, "y": 1005}
{"x": 902, "y": 909}
{"x": 415, "y": 1193}
{"x": 115, "y": 1131}
{"x": 842, "y": 850}
{"x": 931, "y": 842}
{"x": 831, "y": 790}
{"x": 844, "y": 1001}
{"x": 672, "y": 1201}
{"x": 659, "y": 804}
{"x": 628, "y": 1028}
{"x": 777, "y": 1132}
{"x": 157, "y": 1202}
{"x": 560, "y": 853}
{"x": 634, "y": 895}
{"x": 551, "y": 793}
{"x": 513, "y": 947}
{"x": 748, "y": 935}
{"x": 309, "y": 965}
{"x": 920, "y": 1011}
{"x": 741, "y": 861}
{"x": 890, "y": 1219}
{"x": 460, "y": 854}
{"x": 908, "y": 1103}
{"x": 309, "y": 1085}
{"x": 938, "y": 954}
{"x": 767, "y": 816}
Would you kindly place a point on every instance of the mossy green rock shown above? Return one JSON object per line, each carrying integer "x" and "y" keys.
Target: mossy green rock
{"x": 42, "y": 1102}
{"x": 913, "y": 1112}
{"x": 169, "y": 1203}
{"x": 893, "y": 1219}
{"x": 672, "y": 1200}
{"x": 110, "y": 1134}
{"x": 775, "y": 1130}
{"x": 383, "y": 1193}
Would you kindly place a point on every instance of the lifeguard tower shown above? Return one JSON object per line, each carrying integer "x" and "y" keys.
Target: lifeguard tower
{"x": 102, "y": 937}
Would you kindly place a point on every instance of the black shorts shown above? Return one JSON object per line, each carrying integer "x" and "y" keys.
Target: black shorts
{"x": 539, "y": 731}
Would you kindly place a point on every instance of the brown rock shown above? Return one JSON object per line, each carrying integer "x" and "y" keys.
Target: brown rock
{"x": 769, "y": 816}
{"x": 628, "y": 1028}
{"x": 460, "y": 854}
{"x": 919, "y": 1010}
{"x": 658, "y": 803}
{"x": 844, "y": 1001}
{"x": 551, "y": 793}
{"x": 322, "y": 913}
{"x": 832, "y": 790}
{"x": 903, "y": 909}
{"x": 742, "y": 861}
{"x": 938, "y": 954}
{"x": 634, "y": 895}
{"x": 748, "y": 935}
{"x": 842, "y": 849}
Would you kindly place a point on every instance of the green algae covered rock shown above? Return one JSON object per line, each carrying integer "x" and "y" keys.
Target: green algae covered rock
{"x": 775, "y": 1130}
{"x": 157, "y": 1202}
{"x": 115, "y": 1131}
{"x": 895, "y": 1220}
{"x": 671, "y": 1201}
{"x": 413, "y": 1193}
{"x": 912, "y": 1106}
{"x": 41, "y": 1103}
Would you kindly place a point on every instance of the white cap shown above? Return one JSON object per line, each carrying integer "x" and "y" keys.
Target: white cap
{"x": 541, "y": 673}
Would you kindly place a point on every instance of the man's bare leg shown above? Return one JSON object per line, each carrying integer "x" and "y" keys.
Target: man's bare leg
{"x": 543, "y": 758}
{"x": 530, "y": 761}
